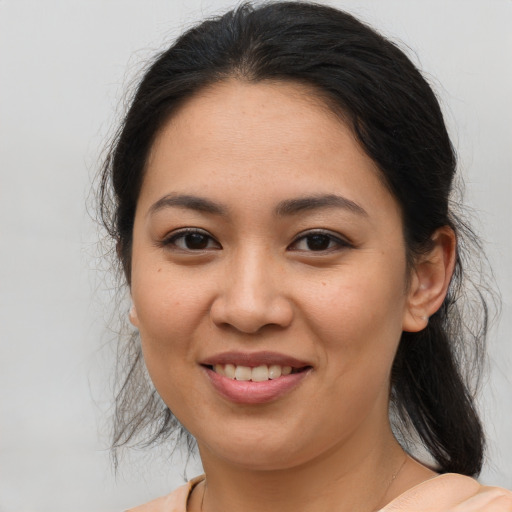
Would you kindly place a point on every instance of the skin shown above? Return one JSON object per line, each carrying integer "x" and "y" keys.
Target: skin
{"x": 256, "y": 284}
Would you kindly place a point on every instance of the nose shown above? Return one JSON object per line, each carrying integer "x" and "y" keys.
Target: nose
{"x": 251, "y": 295}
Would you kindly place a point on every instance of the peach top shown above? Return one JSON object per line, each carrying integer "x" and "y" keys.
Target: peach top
{"x": 433, "y": 495}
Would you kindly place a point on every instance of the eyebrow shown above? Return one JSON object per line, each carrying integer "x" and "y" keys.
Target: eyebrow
{"x": 283, "y": 209}
{"x": 301, "y": 204}
{"x": 190, "y": 202}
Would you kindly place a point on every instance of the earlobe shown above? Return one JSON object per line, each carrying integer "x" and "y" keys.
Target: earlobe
{"x": 134, "y": 319}
{"x": 430, "y": 279}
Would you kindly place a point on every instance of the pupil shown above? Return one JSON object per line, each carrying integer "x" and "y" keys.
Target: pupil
{"x": 196, "y": 241}
{"x": 318, "y": 242}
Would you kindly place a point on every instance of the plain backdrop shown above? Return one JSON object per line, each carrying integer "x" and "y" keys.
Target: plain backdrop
{"x": 64, "y": 68}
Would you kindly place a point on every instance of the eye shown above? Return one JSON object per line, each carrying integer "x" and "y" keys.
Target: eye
{"x": 318, "y": 241}
{"x": 191, "y": 239}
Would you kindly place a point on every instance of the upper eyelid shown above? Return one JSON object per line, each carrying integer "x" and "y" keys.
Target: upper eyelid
{"x": 320, "y": 231}
{"x": 343, "y": 240}
{"x": 185, "y": 230}
{"x": 176, "y": 233}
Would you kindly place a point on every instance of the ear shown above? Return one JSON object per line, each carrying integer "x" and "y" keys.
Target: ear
{"x": 430, "y": 279}
{"x": 134, "y": 319}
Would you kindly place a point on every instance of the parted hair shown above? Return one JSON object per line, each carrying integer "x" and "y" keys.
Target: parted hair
{"x": 371, "y": 84}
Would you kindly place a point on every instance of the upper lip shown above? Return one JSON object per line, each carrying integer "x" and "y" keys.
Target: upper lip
{"x": 253, "y": 359}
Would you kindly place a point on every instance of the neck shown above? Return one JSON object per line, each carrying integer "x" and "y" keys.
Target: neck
{"x": 349, "y": 477}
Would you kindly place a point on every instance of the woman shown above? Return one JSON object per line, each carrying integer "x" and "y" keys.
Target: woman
{"x": 279, "y": 196}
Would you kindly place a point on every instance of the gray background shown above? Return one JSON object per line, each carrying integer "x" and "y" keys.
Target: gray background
{"x": 64, "y": 67}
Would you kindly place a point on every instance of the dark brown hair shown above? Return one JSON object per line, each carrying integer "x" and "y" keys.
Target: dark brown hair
{"x": 397, "y": 119}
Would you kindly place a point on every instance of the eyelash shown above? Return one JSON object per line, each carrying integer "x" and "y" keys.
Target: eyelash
{"x": 183, "y": 233}
{"x": 325, "y": 236}
{"x": 340, "y": 243}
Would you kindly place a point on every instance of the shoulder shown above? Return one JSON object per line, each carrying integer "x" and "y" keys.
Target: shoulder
{"x": 444, "y": 492}
{"x": 174, "y": 502}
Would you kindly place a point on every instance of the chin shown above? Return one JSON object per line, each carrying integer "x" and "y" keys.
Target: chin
{"x": 258, "y": 459}
{"x": 256, "y": 453}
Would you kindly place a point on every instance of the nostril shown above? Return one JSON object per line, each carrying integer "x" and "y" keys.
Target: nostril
{"x": 250, "y": 316}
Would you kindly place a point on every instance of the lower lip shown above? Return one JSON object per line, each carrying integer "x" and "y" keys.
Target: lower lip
{"x": 249, "y": 392}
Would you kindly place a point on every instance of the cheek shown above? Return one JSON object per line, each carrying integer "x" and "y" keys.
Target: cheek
{"x": 357, "y": 327}
{"x": 357, "y": 315}
{"x": 359, "y": 300}
{"x": 166, "y": 319}
{"x": 166, "y": 301}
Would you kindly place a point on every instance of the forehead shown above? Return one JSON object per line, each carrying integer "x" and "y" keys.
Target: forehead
{"x": 278, "y": 139}
{"x": 265, "y": 119}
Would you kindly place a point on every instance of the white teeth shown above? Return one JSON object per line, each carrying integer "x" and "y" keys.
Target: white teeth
{"x": 229, "y": 371}
{"x": 274, "y": 371}
{"x": 243, "y": 373}
{"x": 257, "y": 374}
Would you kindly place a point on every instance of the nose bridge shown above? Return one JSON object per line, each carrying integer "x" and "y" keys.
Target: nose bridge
{"x": 252, "y": 295}
{"x": 252, "y": 271}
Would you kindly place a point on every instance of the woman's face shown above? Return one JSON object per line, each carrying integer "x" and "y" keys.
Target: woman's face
{"x": 263, "y": 240}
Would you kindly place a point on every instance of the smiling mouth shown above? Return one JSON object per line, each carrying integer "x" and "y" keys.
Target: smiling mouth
{"x": 259, "y": 373}
{"x": 254, "y": 378}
